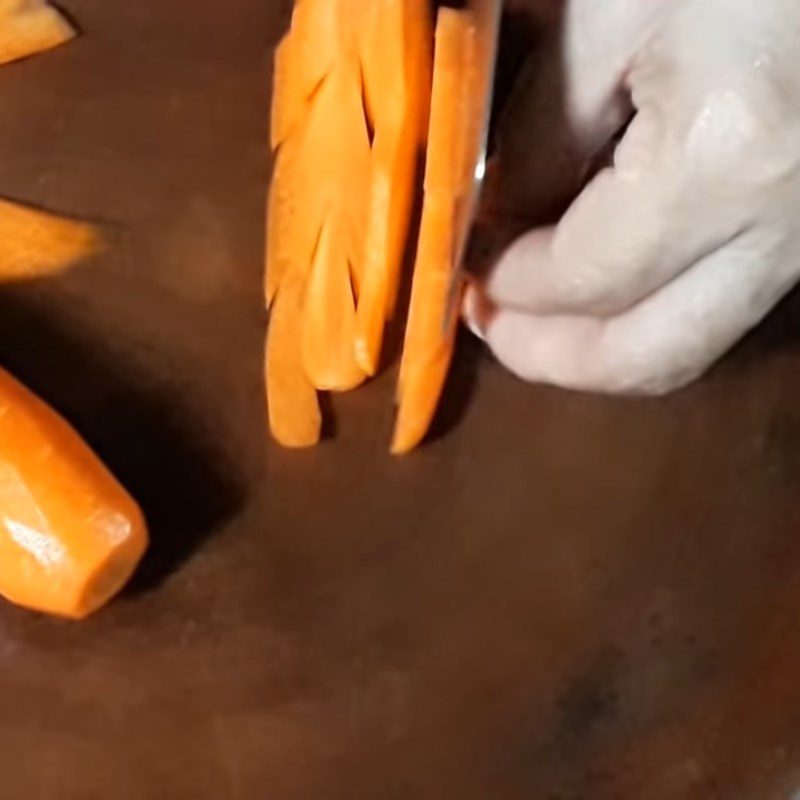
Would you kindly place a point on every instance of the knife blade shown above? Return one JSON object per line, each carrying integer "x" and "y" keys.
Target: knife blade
{"x": 486, "y": 15}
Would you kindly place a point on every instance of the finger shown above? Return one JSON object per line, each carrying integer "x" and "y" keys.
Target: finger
{"x": 633, "y": 229}
{"x": 660, "y": 345}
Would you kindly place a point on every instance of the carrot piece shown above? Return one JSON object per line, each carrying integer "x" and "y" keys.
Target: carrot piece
{"x": 420, "y": 59}
{"x": 428, "y": 347}
{"x": 322, "y": 168}
{"x": 395, "y": 84}
{"x": 34, "y": 243}
{"x": 323, "y": 158}
{"x": 28, "y": 27}
{"x": 289, "y": 240}
{"x": 70, "y": 536}
{"x": 329, "y": 318}
{"x": 333, "y": 173}
{"x": 288, "y": 102}
{"x": 294, "y": 413}
{"x": 444, "y": 166}
{"x": 317, "y": 35}
{"x": 421, "y": 70}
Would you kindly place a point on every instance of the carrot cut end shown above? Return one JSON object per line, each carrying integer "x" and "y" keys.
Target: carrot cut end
{"x": 35, "y": 243}
{"x": 329, "y": 317}
{"x": 295, "y": 418}
{"x": 70, "y": 535}
{"x": 430, "y": 339}
{"x": 29, "y": 28}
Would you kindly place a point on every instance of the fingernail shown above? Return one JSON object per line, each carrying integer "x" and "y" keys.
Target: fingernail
{"x": 472, "y": 313}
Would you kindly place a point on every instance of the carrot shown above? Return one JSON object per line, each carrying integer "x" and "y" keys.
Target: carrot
{"x": 70, "y": 536}
{"x": 396, "y": 80}
{"x": 318, "y": 31}
{"x": 329, "y": 318}
{"x": 317, "y": 204}
{"x": 286, "y": 242}
{"x": 333, "y": 166}
{"x": 428, "y": 347}
{"x": 28, "y": 27}
{"x": 34, "y": 243}
{"x": 340, "y": 201}
{"x": 288, "y": 102}
{"x": 294, "y": 413}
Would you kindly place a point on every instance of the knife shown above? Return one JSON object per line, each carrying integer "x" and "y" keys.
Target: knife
{"x": 486, "y": 15}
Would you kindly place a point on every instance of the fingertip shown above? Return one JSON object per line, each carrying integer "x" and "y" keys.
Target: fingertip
{"x": 477, "y": 312}
{"x": 560, "y": 351}
{"x": 520, "y": 275}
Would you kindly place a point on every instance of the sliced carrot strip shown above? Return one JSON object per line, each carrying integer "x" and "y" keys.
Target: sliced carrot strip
{"x": 334, "y": 165}
{"x": 317, "y": 36}
{"x": 323, "y": 163}
{"x": 420, "y": 60}
{"x": 34, "y": 243}
{"x": 294, "y": 413}
{"x": 70, "y": 536}
{"x": 395, "y": 81}
{"x": 428, "y": 346}
{"x": 290, "y": 240}
{"x": 444, "y": 166}
{"x": 288, "y": 101}
{"x": 329, "y": 318}
{"x": 317, "y": 206}
{"x": 28, "y": 27}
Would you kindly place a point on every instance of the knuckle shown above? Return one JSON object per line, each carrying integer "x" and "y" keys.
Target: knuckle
{"x": 731, "y": 134}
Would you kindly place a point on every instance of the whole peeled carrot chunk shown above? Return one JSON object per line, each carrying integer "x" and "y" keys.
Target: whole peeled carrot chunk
{"x": 430, "y": 337}
{"x": 70, "y": 535}
{"x": 30, "y": 26}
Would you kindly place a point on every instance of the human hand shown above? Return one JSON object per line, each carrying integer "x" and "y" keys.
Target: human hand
{"x": 671, "y": 254}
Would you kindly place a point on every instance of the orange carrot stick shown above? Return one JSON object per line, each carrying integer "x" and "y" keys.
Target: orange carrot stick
{"x": 70, "y": 536}
{"x": 294, "y": 413}
{"x": 396, "y": 83}
{"x": 428, "y": 347}
{"x": 34, "y": 243}
{"x": 329, "y": 318}
{"x": 288, "y": 100}
{"x": 28, "y": 27}
{"x": 289, "y": 240}
{"x": 334, "y": 165}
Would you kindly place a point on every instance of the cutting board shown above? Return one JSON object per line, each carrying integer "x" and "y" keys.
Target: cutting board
{"x": 561, "y": 597}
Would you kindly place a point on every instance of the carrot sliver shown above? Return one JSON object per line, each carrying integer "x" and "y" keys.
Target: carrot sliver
{"x": 333, "y": 173}
{"x": 391, "y": 200}
{"x": 394, "y": 84}
{"x": 34, "y": 243}
{"x": 429, "y": 342}
{"x": 289, "y": 242}
{"x": 316, "y": 32}
{"x": 288, "y": 102}
{"x": 70, "y": 536}
{"x": 329, "y": 318}
{"x": 28, "y": 27}
{"x": 428, "y": 347}
{"x": 420, "y": 61}
{"x": 294, "y": 414}
{"x": 444, "y": 166}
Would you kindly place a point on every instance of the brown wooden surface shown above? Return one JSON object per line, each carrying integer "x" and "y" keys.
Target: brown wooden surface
{"x": 562, "y": 598}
